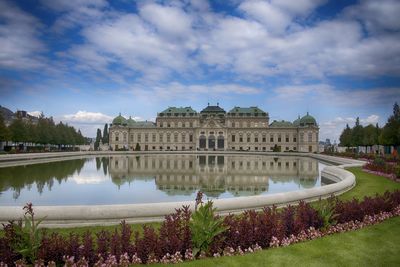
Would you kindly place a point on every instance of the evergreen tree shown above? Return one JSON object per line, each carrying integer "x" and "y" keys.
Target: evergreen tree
{"x": 357, "y": 136}
{"x": 5, "y": 134}
{"x": 98, "y": 138}
{"x": 345, "y": 137}
{"x": 137, "y": 148}
{"x": 391, "y": 131}
{"x": 105, "y": 134}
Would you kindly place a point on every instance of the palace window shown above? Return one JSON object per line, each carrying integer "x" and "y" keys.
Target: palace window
{"x": 190, "y": 137}
{"x": 309, "y": 137}
{"x": 294, "y": 138}
{"x": 264, "y": 139}
{"x": 233, "y": 138}
{"x": 160, "y": 137}
{"x": 168, "y": 137}
{"x": 131, "y": 137}
{"x": 287, "y": 138}
{"x": 116, "y": 136}
{"x": 168, "y": 125}
{"x": 256, "y": 139}
{"x": 153, "y": 138}
{"x": 175, "y": 137}
{"x": 241, "y": 139}
{"x": 125, "y": 137}
{"x": 146, "y": 137}
{"x": 271, "y": 139}
{"x": 191, "y": 124}
{"x": 183, "y": 137}
{"x": 301, "y": 137}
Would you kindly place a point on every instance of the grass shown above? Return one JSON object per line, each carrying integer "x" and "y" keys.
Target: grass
{"x": 368, "y": 184}
{"x": 372, "y": 246}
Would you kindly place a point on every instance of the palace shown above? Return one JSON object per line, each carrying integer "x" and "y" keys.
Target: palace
{"x": 214, "y": 129}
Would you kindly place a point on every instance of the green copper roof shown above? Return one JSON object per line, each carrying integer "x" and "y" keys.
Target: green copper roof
{"x": 130, "y": 121}
{"x": 250, "y": 111}
{"x": 307, "y": 120}
{"x": 281, "y": 124}
{"x": 213, "y": 109}
{"x": 119, "y": 120}
{"x": 144, "y": 124}
{"x": 181, "y": 111}
{"x": 297, "y": 122}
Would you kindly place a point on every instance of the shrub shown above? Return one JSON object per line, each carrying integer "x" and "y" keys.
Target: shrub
{"x": 306, "y": 217}
{"x": 205, "y": 226}
{"x": 175, "y": 234}
{"x": 327, "y": 213}
{"x": 397, "y": 171}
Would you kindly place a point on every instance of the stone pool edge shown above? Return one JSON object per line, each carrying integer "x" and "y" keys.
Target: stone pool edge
{"x": 91, "y": 215}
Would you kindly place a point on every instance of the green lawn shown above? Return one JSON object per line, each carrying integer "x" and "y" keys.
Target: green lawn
{"x": 368, "y": 185}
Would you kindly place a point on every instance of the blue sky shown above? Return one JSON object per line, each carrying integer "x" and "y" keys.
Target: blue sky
{"x": 84, "y": 61}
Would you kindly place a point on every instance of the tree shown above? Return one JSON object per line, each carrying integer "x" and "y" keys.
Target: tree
{"x": 137, "y": 148}
{"x": 345, "y": 137}
{"x": 19, "y": 131}
{"x": 5, "y": 134}
{"x": 370, "y": 136}
{"x": 357, "y": 134}
{"x": 98, "y": 138}
{"x": 105, "y": 134}
{"x": 391, "y": 131}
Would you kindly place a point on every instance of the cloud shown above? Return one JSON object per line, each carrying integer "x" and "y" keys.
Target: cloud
{"x": 333, "y": 128}
{"x": 378, "y": 16}
{"x": 20, "y": 39}
{"x": 171, "y": 21}
{"x": 328, "y": 94}
{"x": 163, "y": 42}
{"x": 75, "y": 12}
{"x": 35, "y": 113}
{"x": 175, "y": 90}
{"x": 86, "y": 117}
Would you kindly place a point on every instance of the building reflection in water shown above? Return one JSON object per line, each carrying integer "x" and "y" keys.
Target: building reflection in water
{"x": 214, "y": 174}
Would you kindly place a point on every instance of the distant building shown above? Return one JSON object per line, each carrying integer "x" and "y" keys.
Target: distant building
{"x": 9, "y": 116}
{"x": 215, "y": 129}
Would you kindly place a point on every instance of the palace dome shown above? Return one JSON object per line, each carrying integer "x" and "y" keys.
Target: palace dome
{"x": 119, "y": 120}
{"x": 308, "y": 120}
{"x": 130, "y": 121}
{"x": 296, "y": 122}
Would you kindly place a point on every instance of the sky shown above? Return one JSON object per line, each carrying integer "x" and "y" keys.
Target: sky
{"x": 85, "y": 61}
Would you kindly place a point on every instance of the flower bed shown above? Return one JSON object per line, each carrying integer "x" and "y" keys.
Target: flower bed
{"x": 384, "y": 168}
{"x": 173, "y": 242}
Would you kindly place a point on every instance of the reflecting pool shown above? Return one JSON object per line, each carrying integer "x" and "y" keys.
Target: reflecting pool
{"x": 130, "y": 179}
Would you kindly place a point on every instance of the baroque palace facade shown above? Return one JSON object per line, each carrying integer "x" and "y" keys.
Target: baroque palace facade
{"x": 214, "y": 129}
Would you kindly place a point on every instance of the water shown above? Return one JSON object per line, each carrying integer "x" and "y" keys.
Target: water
{"x": 155, "y": 178}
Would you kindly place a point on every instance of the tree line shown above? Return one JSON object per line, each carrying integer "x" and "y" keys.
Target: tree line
{"x": 44, "y": 132}
{"x": 389, "y": 135}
